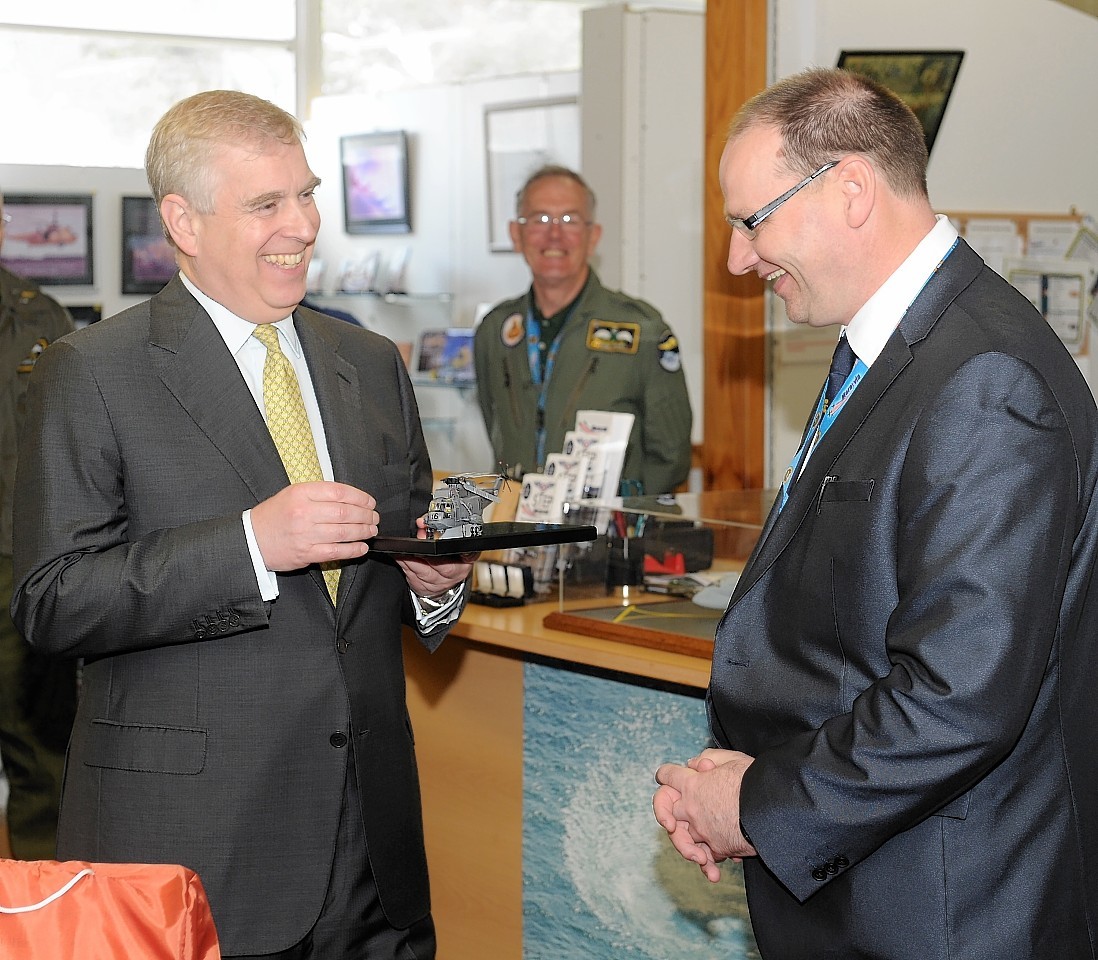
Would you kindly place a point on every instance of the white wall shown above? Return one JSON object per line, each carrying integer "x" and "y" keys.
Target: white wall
{"x": 1014, "y": 138}
{"x": 449, "y": 239}
{"x": 643, "y": 131}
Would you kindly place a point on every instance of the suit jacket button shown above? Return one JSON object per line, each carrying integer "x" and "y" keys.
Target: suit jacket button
{"x": 338, "y": 739}
{"x": 343, "y": 644}
{"x": 841, "y": 862}
{"x": 819, "y": 873}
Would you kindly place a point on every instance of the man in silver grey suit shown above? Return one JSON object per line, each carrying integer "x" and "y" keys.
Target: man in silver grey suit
{"x": 903, "y": 683}
{"x": 233, "y": 718}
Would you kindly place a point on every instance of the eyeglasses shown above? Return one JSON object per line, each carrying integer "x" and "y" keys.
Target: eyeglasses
{"x": 542, "y": 221}
{"x": 748, "y": 226}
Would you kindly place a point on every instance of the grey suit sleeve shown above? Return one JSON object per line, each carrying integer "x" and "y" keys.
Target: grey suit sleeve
{"x": 85, "y": 585}
{"x": 986, "y": 514}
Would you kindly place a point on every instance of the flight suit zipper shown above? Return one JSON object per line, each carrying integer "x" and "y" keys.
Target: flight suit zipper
{"x": 574, "y": 397}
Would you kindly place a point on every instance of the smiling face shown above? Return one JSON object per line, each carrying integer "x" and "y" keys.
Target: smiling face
{"x": 252, "y": 253}
{"x": 796, "y": 248}
{"x": 557, "y": 255}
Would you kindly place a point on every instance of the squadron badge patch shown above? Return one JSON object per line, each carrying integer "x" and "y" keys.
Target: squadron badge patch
{"x": 609, "y": 336}
{"x": 26, "y": 365}
{"x": 511, "y": 331}
{"x": 670, "y": 359}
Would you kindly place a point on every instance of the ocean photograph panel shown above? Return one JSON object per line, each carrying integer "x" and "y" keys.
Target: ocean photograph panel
{"x": 601, "y": 880}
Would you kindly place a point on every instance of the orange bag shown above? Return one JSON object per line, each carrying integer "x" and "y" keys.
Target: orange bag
{"x": 103, "y": 911}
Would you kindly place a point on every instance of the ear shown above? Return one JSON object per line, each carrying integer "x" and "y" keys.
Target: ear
{"x": 176, "y": 214}
{"x": 858, "y": 184}
{"x": 516, "y": 235}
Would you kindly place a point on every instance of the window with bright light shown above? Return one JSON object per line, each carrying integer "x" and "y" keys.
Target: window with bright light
{"x": 86, "y": 83}
{"x": 243, "y": 19}
{"x": 371, "y": 46}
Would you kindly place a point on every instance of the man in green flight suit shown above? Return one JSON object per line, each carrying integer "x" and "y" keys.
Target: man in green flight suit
{"x": 37, "y": 693}
{"x": 571, "y": 344}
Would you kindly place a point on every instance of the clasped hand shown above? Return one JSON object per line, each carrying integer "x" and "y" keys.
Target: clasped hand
{"x": 698, "y": 804}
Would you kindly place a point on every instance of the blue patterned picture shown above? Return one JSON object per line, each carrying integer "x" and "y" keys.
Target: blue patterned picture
{"x": 600, "y": 878}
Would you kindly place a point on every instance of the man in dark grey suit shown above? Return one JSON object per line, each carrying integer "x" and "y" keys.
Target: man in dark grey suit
{"x": 234, "y": 719}
{"x": 902, "y": 688}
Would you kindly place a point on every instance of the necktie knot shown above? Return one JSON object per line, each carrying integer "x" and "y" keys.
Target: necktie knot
{"x": 842, "y": 362}
{"x": 267, "y": 334}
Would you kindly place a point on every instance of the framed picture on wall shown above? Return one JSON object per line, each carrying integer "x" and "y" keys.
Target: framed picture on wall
{"x": 148, "y": 260}
{"x": 48, "y": 237}
{"x": 923, "y": 79}
{"x": 375, "y": 182}
{"x": 519, "y": 138}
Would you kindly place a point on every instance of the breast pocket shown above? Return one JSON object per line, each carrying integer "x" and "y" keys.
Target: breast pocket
{"x": 834, "y": 490}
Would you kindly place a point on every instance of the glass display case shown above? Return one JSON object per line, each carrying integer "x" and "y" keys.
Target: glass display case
{"x": 650, "y": 541}
{"x": 662, "y": 570}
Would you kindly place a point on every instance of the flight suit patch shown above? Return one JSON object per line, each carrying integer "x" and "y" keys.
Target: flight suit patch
{"x": 670, "y": 359}
{"x": 610, "y": 336}
{"x": 26, "y": 365}
{"x": 511, "y": 331}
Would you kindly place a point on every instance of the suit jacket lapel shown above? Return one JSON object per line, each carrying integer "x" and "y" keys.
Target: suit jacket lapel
{"x": 956, "y": 273}
{"x": 335, "y": 381}
{"x": 346, "y": 423}
{"x": 197, "y": 368}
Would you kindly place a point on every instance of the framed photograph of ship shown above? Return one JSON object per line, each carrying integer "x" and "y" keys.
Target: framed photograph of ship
{"x": 148, "y": 260}
{"x": 48, "y": 237}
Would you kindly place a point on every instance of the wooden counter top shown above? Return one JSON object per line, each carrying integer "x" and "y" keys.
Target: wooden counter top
{"x": 522, "y": 629}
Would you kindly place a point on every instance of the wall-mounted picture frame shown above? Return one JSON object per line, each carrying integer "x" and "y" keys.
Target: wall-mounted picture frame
{"x": 520, "y": 137}
{"x": 49, "y": 237}
{"x": 148, "y": 260}
{"x": 923, "y": 79}
{"x": 376, "y": 184}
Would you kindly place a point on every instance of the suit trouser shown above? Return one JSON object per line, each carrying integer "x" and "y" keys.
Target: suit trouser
{"x": 37, "y": 707}
{"x": 352, "y": 925}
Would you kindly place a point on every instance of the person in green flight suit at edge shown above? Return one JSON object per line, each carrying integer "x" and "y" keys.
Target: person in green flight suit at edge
{"x": 37, "y": 692}
{"x": 570, "y": 344}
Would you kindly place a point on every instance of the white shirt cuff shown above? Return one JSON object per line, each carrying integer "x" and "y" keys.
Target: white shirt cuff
{"x": 267, "y": 580}
{"x": 434, "y": 612}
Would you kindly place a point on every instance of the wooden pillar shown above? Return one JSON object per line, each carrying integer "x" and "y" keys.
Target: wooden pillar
{"x": 734, "y": 331}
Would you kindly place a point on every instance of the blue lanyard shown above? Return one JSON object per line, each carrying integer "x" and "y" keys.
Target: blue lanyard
{"x": 533, "y": 354}
{"x": 823, "y": 418}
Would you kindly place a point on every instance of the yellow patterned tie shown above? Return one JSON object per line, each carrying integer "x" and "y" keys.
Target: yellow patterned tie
{"x": 289, "y": 424}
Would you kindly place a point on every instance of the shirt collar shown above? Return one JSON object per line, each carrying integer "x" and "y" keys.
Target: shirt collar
{"x": 881, "y": 314}
{"x": 235, "y": 331}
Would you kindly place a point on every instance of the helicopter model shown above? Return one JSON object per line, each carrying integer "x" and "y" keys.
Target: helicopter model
{"x": 457, "y": 505}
